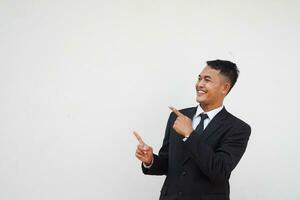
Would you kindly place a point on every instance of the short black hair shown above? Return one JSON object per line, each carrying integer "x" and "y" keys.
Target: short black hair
{"x": 226, "y": 68}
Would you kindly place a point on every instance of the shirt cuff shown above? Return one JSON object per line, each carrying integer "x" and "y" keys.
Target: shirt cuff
{"x": 148, "y": 166}
{"x": 184, "y": 139}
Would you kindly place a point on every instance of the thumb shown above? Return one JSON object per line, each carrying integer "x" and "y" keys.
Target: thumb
{"x": 146, "y": 147}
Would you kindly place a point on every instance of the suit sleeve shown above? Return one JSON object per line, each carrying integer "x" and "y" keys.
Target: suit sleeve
{"x": 218, "y": 163}
{"x": 160, "y": 163}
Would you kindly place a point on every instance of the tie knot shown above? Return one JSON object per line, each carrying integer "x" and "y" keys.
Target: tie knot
{"x": 203, "y": 116}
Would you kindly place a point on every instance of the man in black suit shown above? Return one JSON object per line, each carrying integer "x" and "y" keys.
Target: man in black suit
{"x": 203, "y": 144}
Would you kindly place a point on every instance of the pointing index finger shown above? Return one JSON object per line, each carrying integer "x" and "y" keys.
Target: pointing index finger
{"x": 176, "y": 111}
{"x": 138, "y": 137}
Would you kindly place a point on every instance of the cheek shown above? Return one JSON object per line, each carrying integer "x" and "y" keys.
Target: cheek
{"x": 213, "y": 91}
{"x": 210, "y": 88}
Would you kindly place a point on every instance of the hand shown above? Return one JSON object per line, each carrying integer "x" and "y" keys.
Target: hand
{"x": 183, "y": 124}
{"x": 143, "y": 152}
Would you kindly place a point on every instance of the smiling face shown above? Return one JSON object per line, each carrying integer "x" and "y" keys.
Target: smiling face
{"x": 211, "y": 88}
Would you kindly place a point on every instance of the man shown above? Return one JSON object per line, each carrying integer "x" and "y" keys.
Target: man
{"x": 203, "y": 144}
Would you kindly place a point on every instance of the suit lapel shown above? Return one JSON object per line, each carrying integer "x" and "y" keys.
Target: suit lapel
{"x": 214, "y": 124}
{"x": 191, "y": 112}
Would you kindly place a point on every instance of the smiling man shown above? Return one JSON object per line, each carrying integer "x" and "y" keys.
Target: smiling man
{"x": 202, "y": 144}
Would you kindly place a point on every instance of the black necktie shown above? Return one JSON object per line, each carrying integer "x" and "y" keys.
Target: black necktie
{"x": 199, "y": 128}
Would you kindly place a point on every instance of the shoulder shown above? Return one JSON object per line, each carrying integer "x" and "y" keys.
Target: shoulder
{"x": 237, "y": 122}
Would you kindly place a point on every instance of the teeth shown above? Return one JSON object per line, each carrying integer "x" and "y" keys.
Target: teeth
{"x": 201, "y": 92}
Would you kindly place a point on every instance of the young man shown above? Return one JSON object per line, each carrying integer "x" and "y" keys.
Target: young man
{"x": 203, "y": 144}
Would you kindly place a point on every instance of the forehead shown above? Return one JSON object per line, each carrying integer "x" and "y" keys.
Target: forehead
{"x": 208, "y": 71}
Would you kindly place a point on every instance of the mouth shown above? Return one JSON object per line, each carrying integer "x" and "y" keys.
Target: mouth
{"x": 200, "y": 92}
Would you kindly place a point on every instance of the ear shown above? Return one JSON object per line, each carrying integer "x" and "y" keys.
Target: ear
{"x": 226, "y": 88}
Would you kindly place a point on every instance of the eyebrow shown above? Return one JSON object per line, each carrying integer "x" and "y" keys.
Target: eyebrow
{"x": 205, "y": 76}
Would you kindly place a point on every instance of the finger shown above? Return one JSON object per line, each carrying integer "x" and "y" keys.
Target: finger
{"x": 176, "y": 111}
{"x": 146, "y": 147}
{"x": 140, "y": 157}
{"x": 139, "y": 154}
{"x": 138, "y": 137}
{"x": 143, "y": 147}
{"x": 139, "y": 151}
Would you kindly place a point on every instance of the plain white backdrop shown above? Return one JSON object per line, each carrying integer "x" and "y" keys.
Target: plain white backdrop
{"x": 77, "y": 77}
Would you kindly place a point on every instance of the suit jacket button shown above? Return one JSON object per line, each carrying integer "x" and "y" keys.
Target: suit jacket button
{"x": 179, "y": 193}
{"x": 183, "y": 173}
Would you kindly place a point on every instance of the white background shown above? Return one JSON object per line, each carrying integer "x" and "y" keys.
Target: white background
{"x": 77, "y": 77}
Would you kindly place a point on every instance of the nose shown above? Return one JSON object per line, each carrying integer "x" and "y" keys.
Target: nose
{"x": 200, "y": 84}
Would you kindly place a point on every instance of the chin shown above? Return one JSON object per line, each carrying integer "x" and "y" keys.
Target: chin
{"x": 200, "y": 99}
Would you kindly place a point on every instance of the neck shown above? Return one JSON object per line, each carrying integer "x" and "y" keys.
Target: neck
{"x": 209, "y": 107}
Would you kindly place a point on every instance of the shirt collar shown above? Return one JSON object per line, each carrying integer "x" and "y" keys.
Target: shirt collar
{"x": 211, "y": 114}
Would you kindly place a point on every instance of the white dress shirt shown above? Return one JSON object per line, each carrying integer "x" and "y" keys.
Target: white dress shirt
{"x": 211, "y": 114}
{"x": 196, "y": 120}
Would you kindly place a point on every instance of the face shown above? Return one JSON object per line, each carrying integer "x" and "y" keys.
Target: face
{"x": 211, "y": 88}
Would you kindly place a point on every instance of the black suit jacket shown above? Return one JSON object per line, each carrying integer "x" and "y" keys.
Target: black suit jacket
{"x": 200, "y": 167}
